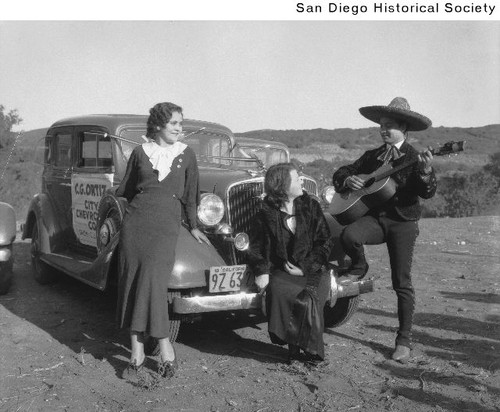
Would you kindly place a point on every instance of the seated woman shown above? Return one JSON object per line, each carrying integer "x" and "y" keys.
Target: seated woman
{"x": 289, "y": 245}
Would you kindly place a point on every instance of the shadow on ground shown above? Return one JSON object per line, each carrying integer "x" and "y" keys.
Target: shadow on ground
{"x": 83, "y": 319}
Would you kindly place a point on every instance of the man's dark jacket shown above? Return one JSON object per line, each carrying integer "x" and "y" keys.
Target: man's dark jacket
{"x": 411, "y": 183}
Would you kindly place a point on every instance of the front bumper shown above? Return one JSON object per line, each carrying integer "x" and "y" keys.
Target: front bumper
{"x": 243, "y": 300}
{"x": 215, "y": 303}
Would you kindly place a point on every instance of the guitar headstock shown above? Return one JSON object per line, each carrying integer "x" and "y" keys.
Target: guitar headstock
{"x": 449, "y": 148}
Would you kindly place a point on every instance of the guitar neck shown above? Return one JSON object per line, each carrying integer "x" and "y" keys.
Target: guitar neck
{"x": 447, "y": 149}
{"x": 387, "y": 173}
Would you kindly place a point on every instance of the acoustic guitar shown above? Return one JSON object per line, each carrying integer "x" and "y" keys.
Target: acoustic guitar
{"x": 349, "y": 206}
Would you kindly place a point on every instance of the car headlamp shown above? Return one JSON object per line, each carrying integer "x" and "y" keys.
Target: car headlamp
{"x": 327, "y": 194}
{"x": 211, "y": 209}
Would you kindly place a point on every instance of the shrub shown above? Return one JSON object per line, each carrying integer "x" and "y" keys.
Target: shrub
{"x": 462, "y": 195}
{"x": 322, "y": 170}
{"x": 7, "y": 121}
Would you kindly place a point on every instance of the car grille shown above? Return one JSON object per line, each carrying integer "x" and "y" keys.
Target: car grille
{"x": 244, "y": 201}
{"x": 309, "y": 185}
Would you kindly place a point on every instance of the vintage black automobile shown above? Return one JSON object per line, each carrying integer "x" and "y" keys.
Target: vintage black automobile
{"x": 7, "y": 237}
{"x": 74, "y": 222}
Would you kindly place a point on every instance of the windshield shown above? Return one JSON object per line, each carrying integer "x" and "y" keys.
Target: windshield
{"x": 267, "y": 155}
{"x": 210, "y": 147}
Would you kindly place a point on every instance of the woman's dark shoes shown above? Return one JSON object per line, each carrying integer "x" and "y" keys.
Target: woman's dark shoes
{"x": 313, "y": 361}
{"x": 167, "y": 369}
{"x": 354, "y": 273}
{"x": 132, "y": 373}
{"x": 293, "y": 353}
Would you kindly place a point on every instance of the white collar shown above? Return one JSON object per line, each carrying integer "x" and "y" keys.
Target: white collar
{"x": 161, "y": 157}
{"x": 397, "y": 145}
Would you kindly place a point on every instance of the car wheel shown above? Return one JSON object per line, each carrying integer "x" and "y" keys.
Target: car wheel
{"x": 151, "y": 346}
{"x": 341, "y": 312}
{"x": 42, "y": 272}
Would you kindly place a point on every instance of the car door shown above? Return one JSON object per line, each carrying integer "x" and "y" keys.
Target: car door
{"x": 57, "y": 175}
{"x": 91, "y": 177}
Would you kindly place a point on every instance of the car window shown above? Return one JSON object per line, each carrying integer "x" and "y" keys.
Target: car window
{"x": 130, "y": 138}
{"x": 209, "y": 147}
{"x": 95, "y": 150}
{"x": 268, "y": 155}
{"x": 248, "y": 153}
{"x": 44, "y": 151}
{"x": 276, "y": 156}
{"x": 63, "y": 150}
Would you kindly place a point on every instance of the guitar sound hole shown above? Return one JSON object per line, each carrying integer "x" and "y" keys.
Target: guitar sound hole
{"x": 369, "y": 182}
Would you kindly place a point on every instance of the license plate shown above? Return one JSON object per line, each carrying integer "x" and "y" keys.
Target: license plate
{"x": 226, "y": 278}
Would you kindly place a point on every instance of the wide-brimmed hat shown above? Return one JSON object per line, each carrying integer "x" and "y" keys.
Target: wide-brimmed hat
{"x": 399, "y": 109}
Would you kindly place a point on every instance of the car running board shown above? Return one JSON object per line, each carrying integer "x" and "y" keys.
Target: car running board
{"x": 93, "y": 273}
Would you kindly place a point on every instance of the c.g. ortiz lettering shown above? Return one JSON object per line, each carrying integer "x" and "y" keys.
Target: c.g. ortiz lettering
{"x": 90, "y": 189}
{"x": 398, "y": 7}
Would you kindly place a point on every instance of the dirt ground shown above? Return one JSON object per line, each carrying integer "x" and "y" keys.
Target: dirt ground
{"x": 61, "y": 351}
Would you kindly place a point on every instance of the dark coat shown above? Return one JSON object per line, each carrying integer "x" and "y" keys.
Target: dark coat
{"x": 295, "y": 305}
{"x": 312, "y": 244}
{"x": 411, "y": 184}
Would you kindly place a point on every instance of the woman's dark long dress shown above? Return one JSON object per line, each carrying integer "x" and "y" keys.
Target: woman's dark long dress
{"x": 272, "y": 244}
{"x": 149, "y": 235}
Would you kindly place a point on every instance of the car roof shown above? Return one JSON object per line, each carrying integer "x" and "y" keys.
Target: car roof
{"x": 242, "y": 141}
{"x": 116, "y": 121}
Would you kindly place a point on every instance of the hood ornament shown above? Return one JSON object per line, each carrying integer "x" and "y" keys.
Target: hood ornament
{"x": 254, "y": 173}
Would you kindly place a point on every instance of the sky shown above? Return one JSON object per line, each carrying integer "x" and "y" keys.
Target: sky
{"x": 251, "y": 75}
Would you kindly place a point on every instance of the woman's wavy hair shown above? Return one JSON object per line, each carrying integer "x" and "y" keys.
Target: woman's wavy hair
{"x": 277, "y": 183}
{"x": 159, "y": 115}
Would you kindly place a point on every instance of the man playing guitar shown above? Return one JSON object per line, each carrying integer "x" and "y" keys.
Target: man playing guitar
{"x": 394, "y": 222}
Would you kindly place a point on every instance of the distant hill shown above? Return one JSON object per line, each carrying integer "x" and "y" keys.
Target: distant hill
{"x": 480, "y": 140}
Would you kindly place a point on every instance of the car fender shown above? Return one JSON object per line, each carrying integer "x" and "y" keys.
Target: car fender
{"x": 7, "y": 224}
{"x": 106, "y": 254}
{"x": 42, "y": 212}
{"x": 7, "y": 237}
{"x": 108, "y": 203}
{"x": 192, "y": 262}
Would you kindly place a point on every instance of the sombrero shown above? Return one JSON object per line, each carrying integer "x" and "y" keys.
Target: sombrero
{"x": 398, "y": 109}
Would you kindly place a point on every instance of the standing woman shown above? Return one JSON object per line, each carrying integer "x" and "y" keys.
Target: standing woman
{"x": 161, "y": 180}
{"x": 290, "y": 243}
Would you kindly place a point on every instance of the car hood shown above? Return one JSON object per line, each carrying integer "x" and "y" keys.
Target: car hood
{"x": 217, "y": 180}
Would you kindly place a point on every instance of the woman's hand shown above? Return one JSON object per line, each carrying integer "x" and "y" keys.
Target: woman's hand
{"x": 425, "y": 160}
{"x": 200, "y": 236}
{"x": 355, "y": 182}
{"x": 293, "y": 270}
{"x": 262, "y": 281}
